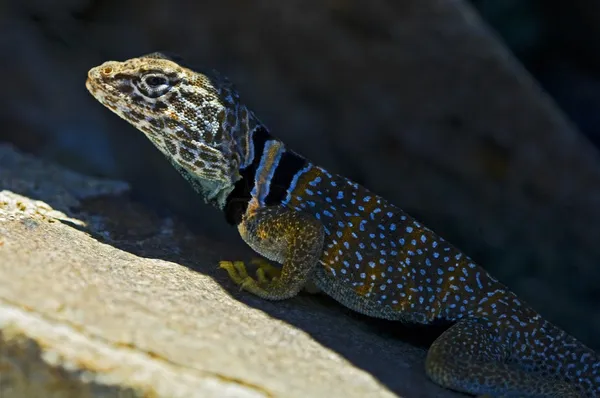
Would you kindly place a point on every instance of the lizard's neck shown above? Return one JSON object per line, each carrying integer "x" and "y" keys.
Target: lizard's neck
{"x": 214, "y": 192}
{"x": 267, "y": 178}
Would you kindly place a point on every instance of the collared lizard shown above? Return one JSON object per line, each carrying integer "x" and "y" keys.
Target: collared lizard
{"x": 355, "y": 246}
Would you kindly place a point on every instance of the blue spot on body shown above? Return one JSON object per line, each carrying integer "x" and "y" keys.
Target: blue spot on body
{"x": 315, "y": 181}
{"x": 478, "y": 281}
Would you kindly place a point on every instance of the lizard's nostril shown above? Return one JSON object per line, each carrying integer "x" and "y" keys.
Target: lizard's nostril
{"x": 107, "y": 70}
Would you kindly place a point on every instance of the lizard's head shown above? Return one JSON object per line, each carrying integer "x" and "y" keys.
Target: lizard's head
{"x": 194, "y": 119}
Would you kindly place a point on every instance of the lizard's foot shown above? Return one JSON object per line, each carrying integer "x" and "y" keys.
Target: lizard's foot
{"x": 266, "y": 274}
{"x": 266, "y": 271}
{"x": 236, "y": 270}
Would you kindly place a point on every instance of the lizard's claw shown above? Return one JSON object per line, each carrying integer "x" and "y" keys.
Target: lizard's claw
{"x": 236, "y": 270}
{"x": 265, "y": 274}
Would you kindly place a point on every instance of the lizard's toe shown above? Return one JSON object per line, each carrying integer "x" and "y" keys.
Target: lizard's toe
{"x": 239, "y": 275}
{"x": 264, "y": 277}
{"x": 236, "y": 270}
{"x": 266, "y": 269}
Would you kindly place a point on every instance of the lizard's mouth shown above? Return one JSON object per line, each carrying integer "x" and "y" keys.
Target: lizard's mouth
{"x": 104, "y": 92}
{"x": 99, "y": 90}
{"x": 92, "y": 87}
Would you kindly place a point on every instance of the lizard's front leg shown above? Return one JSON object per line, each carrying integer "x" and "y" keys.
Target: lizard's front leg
{"x": 289, "y": 237}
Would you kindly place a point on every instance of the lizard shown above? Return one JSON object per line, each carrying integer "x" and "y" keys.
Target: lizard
{"x": 328, "y": 231}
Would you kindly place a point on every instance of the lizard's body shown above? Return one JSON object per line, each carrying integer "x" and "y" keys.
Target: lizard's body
{"x": 354, "y": 245}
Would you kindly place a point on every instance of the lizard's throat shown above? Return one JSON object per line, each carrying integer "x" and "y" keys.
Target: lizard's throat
{"x": 214, "y": 193}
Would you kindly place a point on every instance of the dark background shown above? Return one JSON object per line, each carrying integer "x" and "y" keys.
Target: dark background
{"x": 414, "y": 99}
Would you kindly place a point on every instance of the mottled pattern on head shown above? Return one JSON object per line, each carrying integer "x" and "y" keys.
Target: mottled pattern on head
{"x": 195, "y": 119}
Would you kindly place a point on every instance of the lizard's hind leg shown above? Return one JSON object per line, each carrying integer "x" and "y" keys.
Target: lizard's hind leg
{"x": 468, "y": 358}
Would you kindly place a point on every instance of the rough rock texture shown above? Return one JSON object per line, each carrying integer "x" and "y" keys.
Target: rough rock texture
{"x": 100, "y": 297}
{"x": 415, "y": 99}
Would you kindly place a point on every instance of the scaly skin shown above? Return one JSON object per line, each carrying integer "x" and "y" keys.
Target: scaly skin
{"x": 352, "y": 244}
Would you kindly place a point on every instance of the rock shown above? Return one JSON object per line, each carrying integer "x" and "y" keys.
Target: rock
{"x": 99, "y": 297}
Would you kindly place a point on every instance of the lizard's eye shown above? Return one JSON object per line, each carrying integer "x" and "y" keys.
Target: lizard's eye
{"x": 154, "y": 84}
{"x": 155, "y": 81}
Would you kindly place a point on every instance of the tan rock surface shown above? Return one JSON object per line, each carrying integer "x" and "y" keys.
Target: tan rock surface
{"x": 100, "y": 298}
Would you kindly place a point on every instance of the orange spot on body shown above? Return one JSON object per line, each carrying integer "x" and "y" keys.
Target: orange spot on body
{"x": 364, "y": 289}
